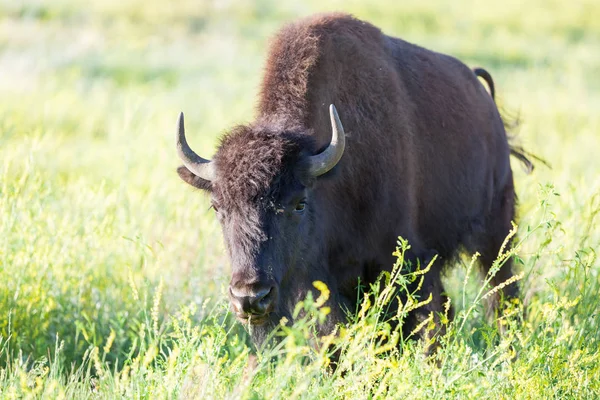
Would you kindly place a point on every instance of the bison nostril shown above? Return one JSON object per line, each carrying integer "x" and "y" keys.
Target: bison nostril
{"x": 260, "y": 302}
{"x": 264, "y": 299}
{"x": 248, "y": 303}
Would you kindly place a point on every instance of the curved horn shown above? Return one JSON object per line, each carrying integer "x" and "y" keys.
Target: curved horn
{"x": 198, "y": 165}
{"x": 328, "y": 158}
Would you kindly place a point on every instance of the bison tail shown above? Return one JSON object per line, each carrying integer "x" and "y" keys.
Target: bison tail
{"x": 525, "y": 157}
{"x": 521, "y": 155}
{"x": 511, "y": 123}
{"x": 483, "y": 74}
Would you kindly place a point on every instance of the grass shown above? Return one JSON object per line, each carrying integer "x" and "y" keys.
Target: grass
{"x": 113, "y": 272}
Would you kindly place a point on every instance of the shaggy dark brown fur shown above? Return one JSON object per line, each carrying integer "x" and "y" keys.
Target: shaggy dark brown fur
{"x": 426, "y": 158}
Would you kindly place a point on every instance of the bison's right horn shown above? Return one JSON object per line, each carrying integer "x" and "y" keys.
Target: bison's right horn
{"x": 328, "y": 158}
{"x": 192, "y": 161}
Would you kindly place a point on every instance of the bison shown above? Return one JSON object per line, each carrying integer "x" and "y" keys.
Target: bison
{"x": 418, "y": 150}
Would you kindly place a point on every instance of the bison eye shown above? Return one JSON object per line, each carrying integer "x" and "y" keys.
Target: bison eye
{"x": 214, "y": 207}
{"x": 300, "y": 206}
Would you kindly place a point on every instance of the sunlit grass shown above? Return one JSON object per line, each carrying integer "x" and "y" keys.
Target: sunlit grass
{"x": 113, "y": 272}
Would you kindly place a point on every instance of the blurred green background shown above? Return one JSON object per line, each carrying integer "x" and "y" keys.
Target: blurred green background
{"x": 91, "y": 209}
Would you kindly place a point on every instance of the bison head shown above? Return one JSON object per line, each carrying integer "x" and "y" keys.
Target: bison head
{"x": 263, "y": 185}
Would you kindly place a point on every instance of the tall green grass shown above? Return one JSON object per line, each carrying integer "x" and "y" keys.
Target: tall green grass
{"x": 113, "y": 272}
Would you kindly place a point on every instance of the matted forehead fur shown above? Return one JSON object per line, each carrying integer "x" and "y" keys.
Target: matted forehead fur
{"x": 255, "y": 163}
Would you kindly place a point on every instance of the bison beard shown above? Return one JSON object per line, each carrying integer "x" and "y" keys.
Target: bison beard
{"x": 426, "y": 157}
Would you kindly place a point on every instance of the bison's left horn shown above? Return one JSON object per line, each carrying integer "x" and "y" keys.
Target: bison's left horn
{"x": 328, "y": 158}
{"x": 198, "y": 165}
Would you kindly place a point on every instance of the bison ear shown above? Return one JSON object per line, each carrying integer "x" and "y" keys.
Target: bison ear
{"x": 188, "y": 176}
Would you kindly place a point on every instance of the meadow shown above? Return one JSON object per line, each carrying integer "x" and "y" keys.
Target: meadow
{"x": 113, "y": 273}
